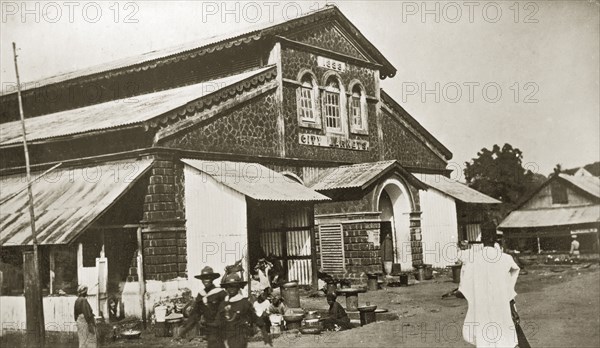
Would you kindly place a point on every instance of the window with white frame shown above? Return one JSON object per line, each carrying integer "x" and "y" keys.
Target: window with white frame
{"x": 331, "y": 105}
{"x": 307, "y": 101}
{"x": 358, "y": 110}
{"x": 355, "y": 108}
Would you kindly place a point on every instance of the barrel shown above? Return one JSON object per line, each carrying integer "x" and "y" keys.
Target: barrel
{"x": 160, "y": 312}
{"x": 291, "y": 294}
{"x": 403, "y": 279}
{"x": 420, "y": 273}
{"x": 372, "y": 283}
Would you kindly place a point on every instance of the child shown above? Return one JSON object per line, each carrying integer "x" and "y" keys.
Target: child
{"x": 337, "y": 319}
{"x": 277, "y": 306}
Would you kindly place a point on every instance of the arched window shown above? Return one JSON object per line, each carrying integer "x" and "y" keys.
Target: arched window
{"x": 331, "y": 105}
{"x": 358, "y": 110}
{"x": 306, "y": 98}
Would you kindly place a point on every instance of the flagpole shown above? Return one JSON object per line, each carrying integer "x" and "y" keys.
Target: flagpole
{"x": 40, "y": 332}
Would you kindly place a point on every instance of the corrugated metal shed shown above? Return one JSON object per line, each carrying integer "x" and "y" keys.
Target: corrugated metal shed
{"x": 456, "y": 189}
{"x": 116, "y": 113}
{"x": 359, "y": 176}
{"x": 66, "y": 200}
{"x": 552, "y": 217}
{"x": 589, "y": 184}
{"x": 255, "y": 181}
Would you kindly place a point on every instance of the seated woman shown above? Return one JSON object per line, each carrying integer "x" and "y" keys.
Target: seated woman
{"x": 337, "y": 319}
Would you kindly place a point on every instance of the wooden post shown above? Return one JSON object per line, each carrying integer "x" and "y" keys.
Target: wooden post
{"x": 79, "y": 263}
{"x": 141, "y": 280}
{"x": 52, "y": 270}
{"x": 313, "y": 248}
{"x": 35, "y": 303}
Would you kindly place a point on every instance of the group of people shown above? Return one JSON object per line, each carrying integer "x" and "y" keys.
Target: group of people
{"x": 227, "y": 315}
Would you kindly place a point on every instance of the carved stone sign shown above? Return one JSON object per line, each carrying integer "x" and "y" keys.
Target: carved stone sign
{"x": 331, "y": 64}
{"x": 333, "y": 141}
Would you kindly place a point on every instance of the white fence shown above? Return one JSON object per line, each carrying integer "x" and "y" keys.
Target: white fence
{"x": 58, "y": 313}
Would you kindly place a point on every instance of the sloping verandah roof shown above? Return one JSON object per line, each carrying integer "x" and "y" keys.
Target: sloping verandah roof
{"x": 66, "y": 201}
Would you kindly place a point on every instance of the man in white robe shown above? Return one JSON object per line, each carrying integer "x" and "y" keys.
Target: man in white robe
{"x": 488, "y": 279}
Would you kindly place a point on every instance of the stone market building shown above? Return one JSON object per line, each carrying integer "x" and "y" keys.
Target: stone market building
{"x": 277, "y": 142}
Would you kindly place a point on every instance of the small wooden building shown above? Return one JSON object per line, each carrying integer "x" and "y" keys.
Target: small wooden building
{"x": 563, "y": 206}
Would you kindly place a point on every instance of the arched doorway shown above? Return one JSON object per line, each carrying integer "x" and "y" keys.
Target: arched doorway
{"x": 394, "y": 203}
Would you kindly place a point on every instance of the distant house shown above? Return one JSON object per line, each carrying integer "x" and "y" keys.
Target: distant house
{"x": 592, "y": 169}
{"x": 563, "y": 206}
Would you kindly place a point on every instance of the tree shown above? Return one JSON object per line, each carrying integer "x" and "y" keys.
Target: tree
{"x": 499, "y": 173}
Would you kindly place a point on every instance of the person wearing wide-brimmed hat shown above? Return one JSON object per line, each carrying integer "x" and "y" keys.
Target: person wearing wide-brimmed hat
{"x": 85, "y": 320}
{"x": 206, "y": 304}
{"x": 236, "y": 315}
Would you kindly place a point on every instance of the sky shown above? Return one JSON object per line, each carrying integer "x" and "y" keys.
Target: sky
{"x": 474, "y": 73}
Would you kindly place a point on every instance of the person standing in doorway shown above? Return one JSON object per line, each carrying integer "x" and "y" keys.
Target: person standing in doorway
{"x": 85, "y": 320}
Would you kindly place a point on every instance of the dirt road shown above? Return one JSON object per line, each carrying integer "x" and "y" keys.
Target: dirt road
{"x": 559, "y": 307}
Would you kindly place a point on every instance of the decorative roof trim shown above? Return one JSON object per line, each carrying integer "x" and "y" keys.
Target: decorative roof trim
{"x": 211, "y": 100}
{"x": 208, "y": 113}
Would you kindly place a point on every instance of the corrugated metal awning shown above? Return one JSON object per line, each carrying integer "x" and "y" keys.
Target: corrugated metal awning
{"x": 359, "y": 176}
{"x": 456, "y": 189}
{"x": 552, "y": 217}
{"x": 116, "y": 113}
{"x": 256, "y": 181}
{"x": 66, "y": 201}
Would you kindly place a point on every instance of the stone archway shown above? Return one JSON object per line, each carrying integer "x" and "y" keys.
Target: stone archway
{"x": 395, "y": 204}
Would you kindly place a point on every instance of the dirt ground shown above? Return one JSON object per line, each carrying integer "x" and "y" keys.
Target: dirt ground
{"x": 559, "y": 307}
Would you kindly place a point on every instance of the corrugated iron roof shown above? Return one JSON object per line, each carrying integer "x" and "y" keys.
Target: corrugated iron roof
{"x": 456, "y": 189}
{"x": 256, "y": 181}
{"x": 66, "y": 201}
{"x": 116, "y": 113}
{"x": 359, "y": 176}
{"x": 589, "y": 184}
{"x": 203, "y": 46}
{"x": 552, "y": 217}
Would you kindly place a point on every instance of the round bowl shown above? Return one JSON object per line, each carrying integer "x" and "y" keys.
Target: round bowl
{"x": 312, "y": 315}
{"x": 290, "y": 284}
{"x": 367, "y": 308}
{"x": 131, "y": 334}
{"x": 293, "y": 317}
{"x": 310, "y": 330}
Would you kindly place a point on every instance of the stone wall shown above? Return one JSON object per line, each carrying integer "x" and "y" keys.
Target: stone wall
{"x": 248, "y": 129}
{"x": 362, "y": 253}
{"x": 416, "y": 244}
{"x": 400, "y": 144}
{"x": 164, "y": 235}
